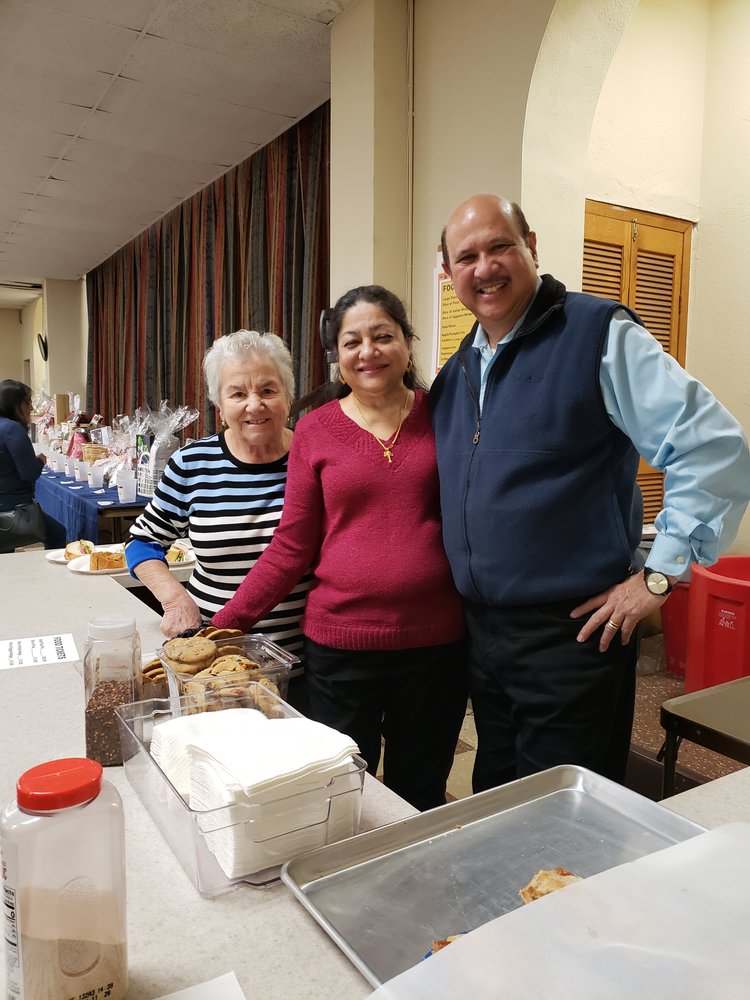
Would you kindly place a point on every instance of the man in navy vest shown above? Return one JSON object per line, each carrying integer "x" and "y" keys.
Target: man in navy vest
{"x": 539, "y": 418}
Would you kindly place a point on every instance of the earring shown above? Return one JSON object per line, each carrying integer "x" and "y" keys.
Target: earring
{"x": 224, "y": 424}
{"x": 342, "y": 380}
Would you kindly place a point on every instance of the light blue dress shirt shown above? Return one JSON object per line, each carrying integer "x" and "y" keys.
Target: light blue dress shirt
{"x": 680, "y": 428}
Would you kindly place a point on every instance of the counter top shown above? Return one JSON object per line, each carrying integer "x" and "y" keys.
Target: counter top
{"x": 176, "y": 938}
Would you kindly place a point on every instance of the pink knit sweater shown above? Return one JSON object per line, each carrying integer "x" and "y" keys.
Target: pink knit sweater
{"x": 371, "y": 532}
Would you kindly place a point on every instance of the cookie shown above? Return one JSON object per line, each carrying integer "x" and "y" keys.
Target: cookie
{"x": 230, "y": 650}
{"x": 264, "y": 703}
{"x": 232, "y": 664}
{"x": 190, "y": 655}
{"x": 212, "y": 632}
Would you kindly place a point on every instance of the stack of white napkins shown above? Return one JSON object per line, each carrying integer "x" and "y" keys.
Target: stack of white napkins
{"x": 276, "y": 787}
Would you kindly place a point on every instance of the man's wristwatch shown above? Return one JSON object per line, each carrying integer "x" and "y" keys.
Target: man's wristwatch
{"x": 657, "y": 583}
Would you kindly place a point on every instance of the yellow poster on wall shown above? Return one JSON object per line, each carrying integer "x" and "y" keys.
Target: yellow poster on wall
{"x": 452, "y": 319}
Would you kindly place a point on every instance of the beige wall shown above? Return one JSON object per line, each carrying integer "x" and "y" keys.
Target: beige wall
{"x": 67, "y": 331}
{"x": 653, "y": 160}
{"x": 370, "y": 147}
{"x": 473, "y": 64}
{"x": 18, "y": 333}
{"x": 573, "y": 64}
{"x": 718, "y": 343}
{"x": 10, "y": 344}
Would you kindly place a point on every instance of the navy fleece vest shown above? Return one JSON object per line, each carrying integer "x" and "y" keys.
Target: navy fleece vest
{"x": 544, "y": 505}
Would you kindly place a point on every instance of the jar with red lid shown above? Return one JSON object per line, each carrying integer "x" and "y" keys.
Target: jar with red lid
{"x": 63, "y": 863}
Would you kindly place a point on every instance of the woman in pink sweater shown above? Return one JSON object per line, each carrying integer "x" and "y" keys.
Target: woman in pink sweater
{"x": 383, "y": 623}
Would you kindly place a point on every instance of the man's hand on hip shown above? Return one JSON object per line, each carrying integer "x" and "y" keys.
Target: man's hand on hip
{"x": 617, "y": 611}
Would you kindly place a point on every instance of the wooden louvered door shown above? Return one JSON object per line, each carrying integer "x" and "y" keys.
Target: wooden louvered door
{"x": 642, "y": 260}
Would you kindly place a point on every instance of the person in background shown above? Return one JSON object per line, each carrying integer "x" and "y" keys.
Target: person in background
{"x": 20, "y": 467}
{"x": 225, "y": 493}
{"x": 539, "y": 419}
{"x": 383, "y": 624}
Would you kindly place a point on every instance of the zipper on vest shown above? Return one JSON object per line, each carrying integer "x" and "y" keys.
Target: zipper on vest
{"x": 475, "y": 439}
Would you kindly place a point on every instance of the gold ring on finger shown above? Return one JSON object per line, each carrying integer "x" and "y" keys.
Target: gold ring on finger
{"x": 613, "y": 625}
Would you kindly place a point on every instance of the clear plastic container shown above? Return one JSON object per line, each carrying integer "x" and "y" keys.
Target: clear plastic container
{"x": 268, "y": 831}
{"x": 273, "y": 663}
{"x": 63, "y": 851}
{"x": 112, "y": 677}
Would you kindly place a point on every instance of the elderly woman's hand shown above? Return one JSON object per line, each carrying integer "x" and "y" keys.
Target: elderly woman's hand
{"x": 180, "y": 613}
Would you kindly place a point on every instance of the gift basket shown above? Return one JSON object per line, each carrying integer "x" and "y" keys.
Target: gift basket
{"x": 156, "y": 432}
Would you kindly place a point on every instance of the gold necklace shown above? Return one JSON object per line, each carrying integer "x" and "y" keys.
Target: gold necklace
{"x": 387, "y": 448}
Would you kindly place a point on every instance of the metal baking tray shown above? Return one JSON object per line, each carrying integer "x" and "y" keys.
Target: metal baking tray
{"x": 385, "y": 895}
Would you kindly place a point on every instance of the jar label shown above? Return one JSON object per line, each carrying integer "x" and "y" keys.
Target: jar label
{"x": 11, "y": 926}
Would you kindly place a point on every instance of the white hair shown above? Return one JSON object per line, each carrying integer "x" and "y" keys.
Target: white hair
{"x": 239, "y": 345}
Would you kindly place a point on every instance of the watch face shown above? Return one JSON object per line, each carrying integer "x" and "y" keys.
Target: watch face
{"x": 657, "y": 583}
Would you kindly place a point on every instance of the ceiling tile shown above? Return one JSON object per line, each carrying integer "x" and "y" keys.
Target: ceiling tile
{"x": 112, "y": 112}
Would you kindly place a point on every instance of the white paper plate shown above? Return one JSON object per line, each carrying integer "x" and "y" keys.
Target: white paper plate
{"x": 58, "y": 555}
{"x": 81, "y": 563}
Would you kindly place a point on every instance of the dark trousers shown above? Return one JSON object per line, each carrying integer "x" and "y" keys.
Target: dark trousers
{"x": 541, "y": 699}
{"x": 413, "y": 698}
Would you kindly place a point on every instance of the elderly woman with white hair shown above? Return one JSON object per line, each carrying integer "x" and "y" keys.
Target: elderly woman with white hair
{"x": 225, "y": 492}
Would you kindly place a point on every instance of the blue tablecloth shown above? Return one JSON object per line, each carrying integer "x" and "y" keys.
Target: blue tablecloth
{"x": 76, "y": 506}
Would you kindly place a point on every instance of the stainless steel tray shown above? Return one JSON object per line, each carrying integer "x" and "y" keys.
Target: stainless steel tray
{"x": 383, "y": 896}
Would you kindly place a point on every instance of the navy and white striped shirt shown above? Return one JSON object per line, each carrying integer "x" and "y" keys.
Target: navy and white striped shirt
{"x": 229, "y": 510}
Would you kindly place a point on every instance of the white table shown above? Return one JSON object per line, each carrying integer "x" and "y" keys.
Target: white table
{"x": 176, "y": 938}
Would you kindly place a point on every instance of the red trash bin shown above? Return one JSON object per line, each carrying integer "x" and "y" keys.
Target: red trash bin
{"x": 718, "y": 646}
{"x": 674, "y": 621}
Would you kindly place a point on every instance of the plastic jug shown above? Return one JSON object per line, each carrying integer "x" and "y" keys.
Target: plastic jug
{"x": 63, "y": 854}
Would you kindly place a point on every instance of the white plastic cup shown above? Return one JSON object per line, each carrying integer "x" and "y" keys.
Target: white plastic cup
{"x": 126, "y": 486}
{"x": 96, "y": 477}
{"x": 82, "y": 472}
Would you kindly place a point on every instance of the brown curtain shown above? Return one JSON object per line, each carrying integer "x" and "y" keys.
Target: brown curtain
{"x": 249, "y": 250}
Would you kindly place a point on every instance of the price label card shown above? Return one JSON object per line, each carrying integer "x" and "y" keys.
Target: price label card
{"x": 38, "y": 649}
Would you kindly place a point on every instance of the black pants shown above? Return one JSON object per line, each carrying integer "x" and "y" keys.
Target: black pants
{"x": 541, "y": 699}
{"x": 414, "y": 698}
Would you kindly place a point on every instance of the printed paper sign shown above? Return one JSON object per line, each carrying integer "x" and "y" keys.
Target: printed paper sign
{"x": 38, "y": 649}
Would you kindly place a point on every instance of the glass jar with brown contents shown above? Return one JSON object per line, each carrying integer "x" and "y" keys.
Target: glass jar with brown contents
{"x": 112, "y": 677}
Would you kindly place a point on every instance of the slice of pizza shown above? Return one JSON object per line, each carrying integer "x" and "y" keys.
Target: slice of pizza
{"x": 545, "y": 881}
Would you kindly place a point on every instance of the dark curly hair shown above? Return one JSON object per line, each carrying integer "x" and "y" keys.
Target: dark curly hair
{"x": 13, "y": 395}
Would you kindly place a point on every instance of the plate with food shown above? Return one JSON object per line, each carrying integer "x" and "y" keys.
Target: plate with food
{"x": 55, "y": 556}
{"x": 110, "y": 559}
{"x": 79, "y": 547}
{"x": 105, "y": 559}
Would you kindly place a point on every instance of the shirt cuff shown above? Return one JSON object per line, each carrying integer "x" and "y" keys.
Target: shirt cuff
{"x": 669, "y": 556}
{"x": 138, "y": 551}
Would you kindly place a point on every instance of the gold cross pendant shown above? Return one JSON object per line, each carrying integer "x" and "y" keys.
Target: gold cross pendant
{"x": 387, "y": 453}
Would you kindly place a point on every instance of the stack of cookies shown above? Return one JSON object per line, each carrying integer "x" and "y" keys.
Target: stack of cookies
{"x": 217, "y": 659}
